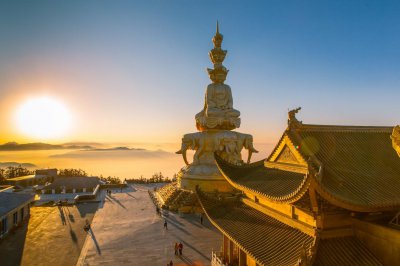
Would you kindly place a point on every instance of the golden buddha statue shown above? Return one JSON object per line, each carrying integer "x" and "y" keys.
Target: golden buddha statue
{"x": 215, "y": 123}
{"x": 218, "y": 111}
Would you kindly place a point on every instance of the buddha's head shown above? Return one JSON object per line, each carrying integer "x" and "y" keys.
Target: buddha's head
{"x": 218, "y": 74}
{"x": 219, "y": 78}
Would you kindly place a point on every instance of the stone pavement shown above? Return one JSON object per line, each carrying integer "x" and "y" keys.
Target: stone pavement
{"x": 127, "y": 231}
{"x": 53, "y": 236}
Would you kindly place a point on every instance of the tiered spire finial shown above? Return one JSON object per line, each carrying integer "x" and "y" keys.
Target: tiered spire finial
{"x": 217, "y": 56}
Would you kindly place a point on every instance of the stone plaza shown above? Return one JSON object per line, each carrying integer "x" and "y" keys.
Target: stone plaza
{"x": 127, "y": 230}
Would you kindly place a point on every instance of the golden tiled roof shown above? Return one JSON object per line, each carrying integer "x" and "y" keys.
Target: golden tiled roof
{"x": 271, "y": 242}
{"x": 344, "y": 251}
{"x": 274, "y": 184}
{"x": 267, "y": 240}
{"x": 353, "y": 167}
{"x": 360, "y": 168}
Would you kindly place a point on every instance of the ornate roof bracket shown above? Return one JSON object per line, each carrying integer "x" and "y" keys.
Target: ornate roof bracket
{"x": 307, "y": 254}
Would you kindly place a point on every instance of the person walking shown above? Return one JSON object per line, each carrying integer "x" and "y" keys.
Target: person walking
{"x": 176, "y": 248}
{"x": 171, "y": 263}
{"x": 180, "y": 247}
{"x": 201, "y": 218}
{"x": 165, "y": 225}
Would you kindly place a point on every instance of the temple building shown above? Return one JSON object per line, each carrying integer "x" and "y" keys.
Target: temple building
{"x": 41, "y": 176}
{"x": 14, "y": 210}
{"x": 70, "y": 188}
{"x": 326, "y": 195}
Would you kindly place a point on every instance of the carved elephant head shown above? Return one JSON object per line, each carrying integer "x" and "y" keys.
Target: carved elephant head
{"x": 246, "y": 141}
{"x": 189, "y": 142}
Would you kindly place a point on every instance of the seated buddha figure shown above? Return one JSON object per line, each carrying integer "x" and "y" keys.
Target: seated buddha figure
{"x": 218, "y": 104}
{"x": 218, "y": 101}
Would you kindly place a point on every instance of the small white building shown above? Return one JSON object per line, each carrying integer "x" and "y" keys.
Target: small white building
{"x": 14, "y": 210}
{"x": 67, "y": 188}
{"x": 41, "y": 176}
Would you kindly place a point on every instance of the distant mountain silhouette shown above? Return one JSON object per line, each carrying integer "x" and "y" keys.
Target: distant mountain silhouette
{"x": 14, "y": 146}
{"x": 116, "y": 152}
{"x": 118, "y": 149}
{"x": 16, "y": 164}
{"x": 83, "y": 143}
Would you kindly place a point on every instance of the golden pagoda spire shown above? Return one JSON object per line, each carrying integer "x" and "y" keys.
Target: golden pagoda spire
{"x": 217, "y": 56}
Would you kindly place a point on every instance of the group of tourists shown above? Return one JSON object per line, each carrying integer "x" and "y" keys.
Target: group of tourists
{"x": 178, "y": 251}
{"x": 178, "y": 248}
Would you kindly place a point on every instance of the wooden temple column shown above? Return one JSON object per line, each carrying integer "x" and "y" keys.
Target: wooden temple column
{"x": 242, "y": 258}
{"x": 225, "y": 243}
{"x": 230, "y": 252}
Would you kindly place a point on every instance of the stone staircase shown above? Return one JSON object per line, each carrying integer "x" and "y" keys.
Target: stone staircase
{"x": 173, "y": 198}
{"x": 167, "y": 192}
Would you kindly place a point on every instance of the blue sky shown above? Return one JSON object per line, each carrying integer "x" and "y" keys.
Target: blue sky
{"x": 135, "y": 70}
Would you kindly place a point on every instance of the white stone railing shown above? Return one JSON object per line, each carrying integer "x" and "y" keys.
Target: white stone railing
{"x": 216, "y": 260}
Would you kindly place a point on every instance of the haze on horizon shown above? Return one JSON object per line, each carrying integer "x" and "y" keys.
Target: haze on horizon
{"x": 132, "y": 72}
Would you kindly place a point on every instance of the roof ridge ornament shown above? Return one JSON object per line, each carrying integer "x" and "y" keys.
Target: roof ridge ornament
{"x": 292, "y": 120}
{"x": 396, "y": 139}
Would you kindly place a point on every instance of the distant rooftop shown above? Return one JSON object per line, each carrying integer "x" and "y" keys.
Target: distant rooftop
{"x": 10, "y": 201}
{"x": 25, "y": 177}
{"x": 74, "y": 182}
{"x": 6, "y": 188}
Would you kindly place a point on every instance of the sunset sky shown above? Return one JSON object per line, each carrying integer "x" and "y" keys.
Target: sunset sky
{"x": 134, "y": 71}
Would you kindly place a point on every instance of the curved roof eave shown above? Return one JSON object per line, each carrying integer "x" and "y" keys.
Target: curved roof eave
{"x": 289, "y": 198}
{"x": 329, "y": 196}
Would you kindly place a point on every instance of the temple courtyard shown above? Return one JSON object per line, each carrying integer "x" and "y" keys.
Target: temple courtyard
{"x": 53, "y": 236}
{"x": 125, "y": 229}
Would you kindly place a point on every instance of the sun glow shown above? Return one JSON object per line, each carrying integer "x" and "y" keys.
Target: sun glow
{"x": 43, "y": 118}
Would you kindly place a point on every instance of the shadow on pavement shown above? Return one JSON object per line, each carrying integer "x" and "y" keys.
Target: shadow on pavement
{"x": 12, "y": 246}
{"x": 186, "y": 260}
{"x": 73, "y": 236}
{"x": 95, "y": 241}
{"x": 196, "y": 222}
{"x": 130, "y": 195}
{"x": 187, "y": 245}
{"x": 87, "y": 208}
{"x": 172, "y": 218}
{"x": 117, "y": 201}
{"x": 62, "y": 215}
{"x": 173, "y": 223}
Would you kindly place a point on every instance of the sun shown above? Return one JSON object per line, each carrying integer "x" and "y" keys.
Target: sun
{"x": 43, "y": 118}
